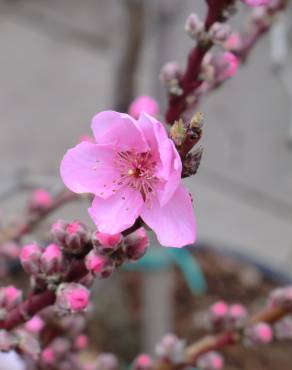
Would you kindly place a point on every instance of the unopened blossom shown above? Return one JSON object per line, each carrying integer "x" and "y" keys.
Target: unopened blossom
{"x": 134, "y": 171}
{"x": 233, "y": 42}
{"x": 136, "y": 244}
{"x": 72, "y": 297}
{"x": 143, "y": 362}
{"x": 210, "y": 361}
{"x": 254, "y": 3}
{"x": 260, "y": 333}
{"x": 281, "y": 297}
{"x": 219, "y": 66}
{"x": 81, "y": 342}
{"x": 217, "y": 315}
{"x": 194, "y": 26}
{"x": 219, "y": 32}
{"x": 52, "y": 260}
{"x": 107, "y": 242}
{"x": 48, "y": 356}
{"x": 98, "y": 264}
{"x": 106, "y": 361}
{"x": 237, "y": 315}
{"x": 13, "y": 297}
{"x": 35, "y": 324}
{"x": 28, "y": 344}
{"x": 171, "y": 347}
{"x": 40, "y": 200}
{"x": 30, "y": 258}
{"x": 143, "y": 103}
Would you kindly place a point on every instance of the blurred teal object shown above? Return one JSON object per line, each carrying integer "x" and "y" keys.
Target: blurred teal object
{"x": 162, "y": 258}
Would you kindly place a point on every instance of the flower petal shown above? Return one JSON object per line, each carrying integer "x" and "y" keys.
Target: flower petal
{"x": 89, "y": 168}
{"x": 164, "y": 151}
{"x": 174, "y": 224}
{"x": 117, "y": 213}
{"x": 120, "y": 130}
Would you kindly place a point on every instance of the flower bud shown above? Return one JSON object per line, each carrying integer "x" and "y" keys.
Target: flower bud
{"x": 28, "y": 344}
{"x": 35, "y": 325}
{"x": 234, "y": 42}
{"x": 13, "y": 297}
{"x": 219, "y": 67}
{"x": 194, "y": 26}
{"x": 48, "y": 356}
{"x": 81, "y": 342}
{"x": 30, "y": 258}
{"x": 210, "y": 361}
{"x": 136, "y": 244}
{"x": 7, "y": 341}
{"x": 52, "y": 261}
{"x": 142, "y": 104}
{"x": 281, "y": 297}
{"x": 170, "y": 74}
{"x": 98, "y": 264}
{"x": 260, "y": 333}
{"x": 72, "y": 297}
{"x": 217, "y": 315}
{"x": 71, "y": 236}
{"x": 106, "y": 361}
{"x": 178, "y": 132}
{"x": 106, "y": 242}
{"x": 143, "y": 362}
{"x": 219, "y": 32}
{"x": 237, "y": 315}
{"x": 171, "y": 348}
{"x": 40, "y": 200}
{"x": 283, "y": 328}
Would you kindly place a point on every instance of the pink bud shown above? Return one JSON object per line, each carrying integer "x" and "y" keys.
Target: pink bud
{"x": 40, "y": 200}
{"x": 52, "y": 260}
{"x": 13, "y": 297}
{"x": 171, "y": 347}
{"x": 217, "y": 315}
{"x": 136, "y": 244}
{"x": 170, "y": 73}
{"x": 107, "y": 242}
{"x": 106, "y": 361}
{"x": 143, "y": 362}
{"x": 219, "y": 67}
{"x": 81, "y": 342}
{"x": 234, "y": 42}
{"x": 30, "y": 258}
{"x": 194, "y": 26}
{"x": 48, "y": 356}
{"x": 35, "y": 325}
{"x": 219, "y": 32}
{"x": 142, "y": 104}
{"x": 99, "y": 265}
{"x": 210, "y": 361}
{"x": 237, "y": 315}
{"x": 254, "y": 3}
{"x": 260, "y": 333}
{"x": 281, "y": 297}
{"x": 72, "y": 297}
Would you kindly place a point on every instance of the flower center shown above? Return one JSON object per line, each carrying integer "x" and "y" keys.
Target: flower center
{"x": 137, "y": 171}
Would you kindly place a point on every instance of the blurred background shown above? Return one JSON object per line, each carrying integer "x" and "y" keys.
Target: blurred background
{"x": 64, "y": 60}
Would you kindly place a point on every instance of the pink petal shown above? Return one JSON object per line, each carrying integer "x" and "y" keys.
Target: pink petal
{"x": 174, "y": 224}
{"x": 164, "y": 151}
{"x": 117, "y": 213}
{"x": 89, "y": 168}
{"x": 118, "y": 129}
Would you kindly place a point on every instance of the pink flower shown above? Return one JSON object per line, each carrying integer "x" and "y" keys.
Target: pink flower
{"x": 142, "y": 104}
{"x": 133, "y": 170}
{"x": 255, "y": 3}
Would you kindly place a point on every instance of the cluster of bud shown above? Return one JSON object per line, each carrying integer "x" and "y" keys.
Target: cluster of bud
{"x": 171, "y": 348}
{"x": 223, "y": 316}
{"x": 71, "y": 236}
{"x": 43, "y": 262}
{"x": 210, "y": 361}
{"x": 10, "y": 297}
